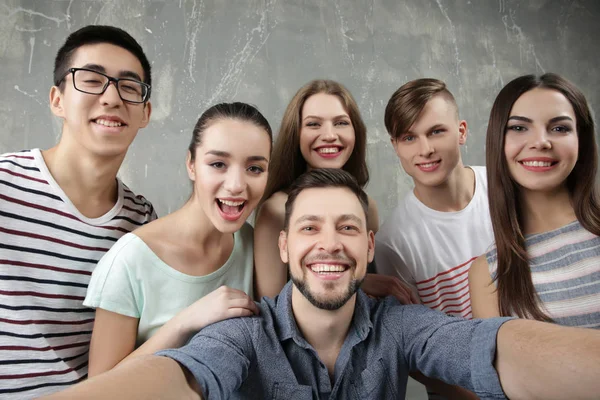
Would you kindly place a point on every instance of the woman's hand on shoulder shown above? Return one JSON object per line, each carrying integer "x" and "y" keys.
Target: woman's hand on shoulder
{"x": 376, "y": 285}
{"x": 220, "y": 304}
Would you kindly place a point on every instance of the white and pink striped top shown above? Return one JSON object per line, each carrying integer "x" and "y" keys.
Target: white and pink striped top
{"x": 432, "y": 250}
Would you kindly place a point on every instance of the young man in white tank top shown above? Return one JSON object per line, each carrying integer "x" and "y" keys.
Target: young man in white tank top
{"x": 443, "y": 225}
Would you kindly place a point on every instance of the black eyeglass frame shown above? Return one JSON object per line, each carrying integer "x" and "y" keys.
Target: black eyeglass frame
{"x": 110, "y": 79}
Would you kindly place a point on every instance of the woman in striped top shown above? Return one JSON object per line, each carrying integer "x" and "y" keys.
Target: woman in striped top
{"x": 542, "y": 161}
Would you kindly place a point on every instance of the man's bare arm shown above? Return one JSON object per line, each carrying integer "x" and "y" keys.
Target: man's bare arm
{"x": 536, "y": 360}
{"x": 143, "y": 377}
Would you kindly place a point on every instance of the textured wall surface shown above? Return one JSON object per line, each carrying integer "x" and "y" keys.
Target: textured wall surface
{"x": 262, "y": 51}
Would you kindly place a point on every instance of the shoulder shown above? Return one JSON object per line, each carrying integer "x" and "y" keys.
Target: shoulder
{"x": 273, "y": 209}
{"x": 479, "y": 271}
{"x": 480, "y": 174}
{"x": 398, "y": 222}
{"x": 245, "y": 236}
{"x": 373, "y": 215}
{"x": 137, "y": 206}
{"x": 20, "y": 164}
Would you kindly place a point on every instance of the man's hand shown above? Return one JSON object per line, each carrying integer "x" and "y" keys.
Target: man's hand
{"x": 382, "y": 285}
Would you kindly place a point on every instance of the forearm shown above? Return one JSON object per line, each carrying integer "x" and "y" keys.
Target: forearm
{"x": 171, "y": 335}
{"x": 536, "y": 360}
{"x": 143, "y": 378}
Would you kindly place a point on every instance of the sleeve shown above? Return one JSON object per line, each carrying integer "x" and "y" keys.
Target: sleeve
{"x": 219, "y": 357}
{"x": 457, "y": 351}
{"x": 111, "y": 286}
{"x": 389, "y": 262}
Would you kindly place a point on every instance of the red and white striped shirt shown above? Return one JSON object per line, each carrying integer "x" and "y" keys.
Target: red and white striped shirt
{"x": 48, "y": 251}
{"x": 432, "y": 250}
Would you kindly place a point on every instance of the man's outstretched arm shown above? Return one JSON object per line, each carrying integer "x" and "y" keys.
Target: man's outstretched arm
{"x": 536, "y": 360}
{"x": 144, "y": 377}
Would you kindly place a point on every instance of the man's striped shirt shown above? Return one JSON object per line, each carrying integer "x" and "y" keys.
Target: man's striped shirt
{"x": 48, "y": 251}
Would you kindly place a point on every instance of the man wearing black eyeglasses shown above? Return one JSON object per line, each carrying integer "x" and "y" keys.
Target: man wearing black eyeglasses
{"x": 61, "y": 209}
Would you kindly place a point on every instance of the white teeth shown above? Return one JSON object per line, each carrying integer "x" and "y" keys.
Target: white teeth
{"x": 328, "y": 150}
{"x": 537, "y": 163}
{"x": 105, "y": 122}
{"x": 428, "y": 165}
{"x": 232, "y": 203}
{"x": 327, "y": 268}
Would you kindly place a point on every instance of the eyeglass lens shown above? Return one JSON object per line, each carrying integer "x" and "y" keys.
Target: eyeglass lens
{"x": 94, "y": 83}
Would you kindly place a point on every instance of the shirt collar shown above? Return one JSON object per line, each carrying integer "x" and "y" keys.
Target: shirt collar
{"x": 286, "y": 324}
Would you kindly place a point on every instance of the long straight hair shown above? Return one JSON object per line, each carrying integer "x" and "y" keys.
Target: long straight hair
{"x": 287, "y": 162}
{"x": 516, "y": 294}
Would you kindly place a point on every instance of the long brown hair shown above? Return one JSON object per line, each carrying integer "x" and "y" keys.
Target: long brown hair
{"x": 287, "y": 162}
{"x": 516, "y": 294}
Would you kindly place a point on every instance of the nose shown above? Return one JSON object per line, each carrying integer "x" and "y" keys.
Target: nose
{"x": 111, "y": 97}
{"x": 234, "y": 181}
{"x": 425, "y": 149}
{"x": 540, "y": 139}
{"x": 329, "y": 240}
{"x": 328, "y": 134}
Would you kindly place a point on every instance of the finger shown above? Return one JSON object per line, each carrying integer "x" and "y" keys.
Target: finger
{"x": 415, "y": 298}
{"x": 247, "y": 304}
{"x": 239, "y": 312}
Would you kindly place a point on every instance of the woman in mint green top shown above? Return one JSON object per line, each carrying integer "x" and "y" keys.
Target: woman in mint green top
{"x": 165, "y": 281}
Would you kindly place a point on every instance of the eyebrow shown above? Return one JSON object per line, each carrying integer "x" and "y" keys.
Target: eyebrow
{"x": 317, "y": 117}
{"x": 313, "y": 218}
{"x": 350, "y": 217}
{"x": 122, "y": 74}
{"x": 552, "y": 120}
{"x": 433, "y": 128}
{"x": 316, "y": 218}
{"x": 225, "y": 154}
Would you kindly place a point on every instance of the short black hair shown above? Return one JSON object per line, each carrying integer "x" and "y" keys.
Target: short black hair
{"x": 93, "y": 34}
{"x": 324, "y": 178}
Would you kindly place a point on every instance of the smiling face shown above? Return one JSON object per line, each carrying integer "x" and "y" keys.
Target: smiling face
{"x": 430, "y": 150}
{"x": 327, "y": 246}
{"x": 102, "y": 124}
{"x": 230, "y": 171}
{"x": 541, "y": 143}
{"x": 326, "y": 134}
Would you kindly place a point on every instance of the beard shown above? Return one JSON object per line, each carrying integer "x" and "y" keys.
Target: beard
{"x": 326, "y": 303}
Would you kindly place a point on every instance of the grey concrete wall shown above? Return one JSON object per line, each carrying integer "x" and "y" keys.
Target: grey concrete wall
{"x": 262, "y": 51}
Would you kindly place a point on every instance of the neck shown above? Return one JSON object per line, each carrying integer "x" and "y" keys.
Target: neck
{"x": 546, "y": 211}
{"x": 454, "y": 194}
{"x": 324, "y": 330}
{"x": 193, "y": 226}
{"x": 88, "y": 180}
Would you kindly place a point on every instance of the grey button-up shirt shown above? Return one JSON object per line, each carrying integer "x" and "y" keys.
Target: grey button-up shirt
{"x": 266, "y": 357}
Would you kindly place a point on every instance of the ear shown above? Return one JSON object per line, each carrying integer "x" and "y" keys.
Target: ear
{"x": 283, "y": 250}
{"x": 463, "y": 131}
{"x": 147, "y": 111}
{"x": 190, "y": 167}
{"x": 56, "y": 103}
{"x": 371, "y": 248}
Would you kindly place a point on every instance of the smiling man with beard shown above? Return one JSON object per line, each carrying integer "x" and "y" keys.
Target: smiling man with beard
{"x": 323, "y": 338}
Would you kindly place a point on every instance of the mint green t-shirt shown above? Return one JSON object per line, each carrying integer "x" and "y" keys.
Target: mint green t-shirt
{"x": 131, "y": 280}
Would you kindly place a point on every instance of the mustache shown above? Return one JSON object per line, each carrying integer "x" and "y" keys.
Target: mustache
{"x": 341, "y": 257}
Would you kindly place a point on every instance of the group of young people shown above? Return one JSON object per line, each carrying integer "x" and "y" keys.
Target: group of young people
{"x": 93, "y": 284}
